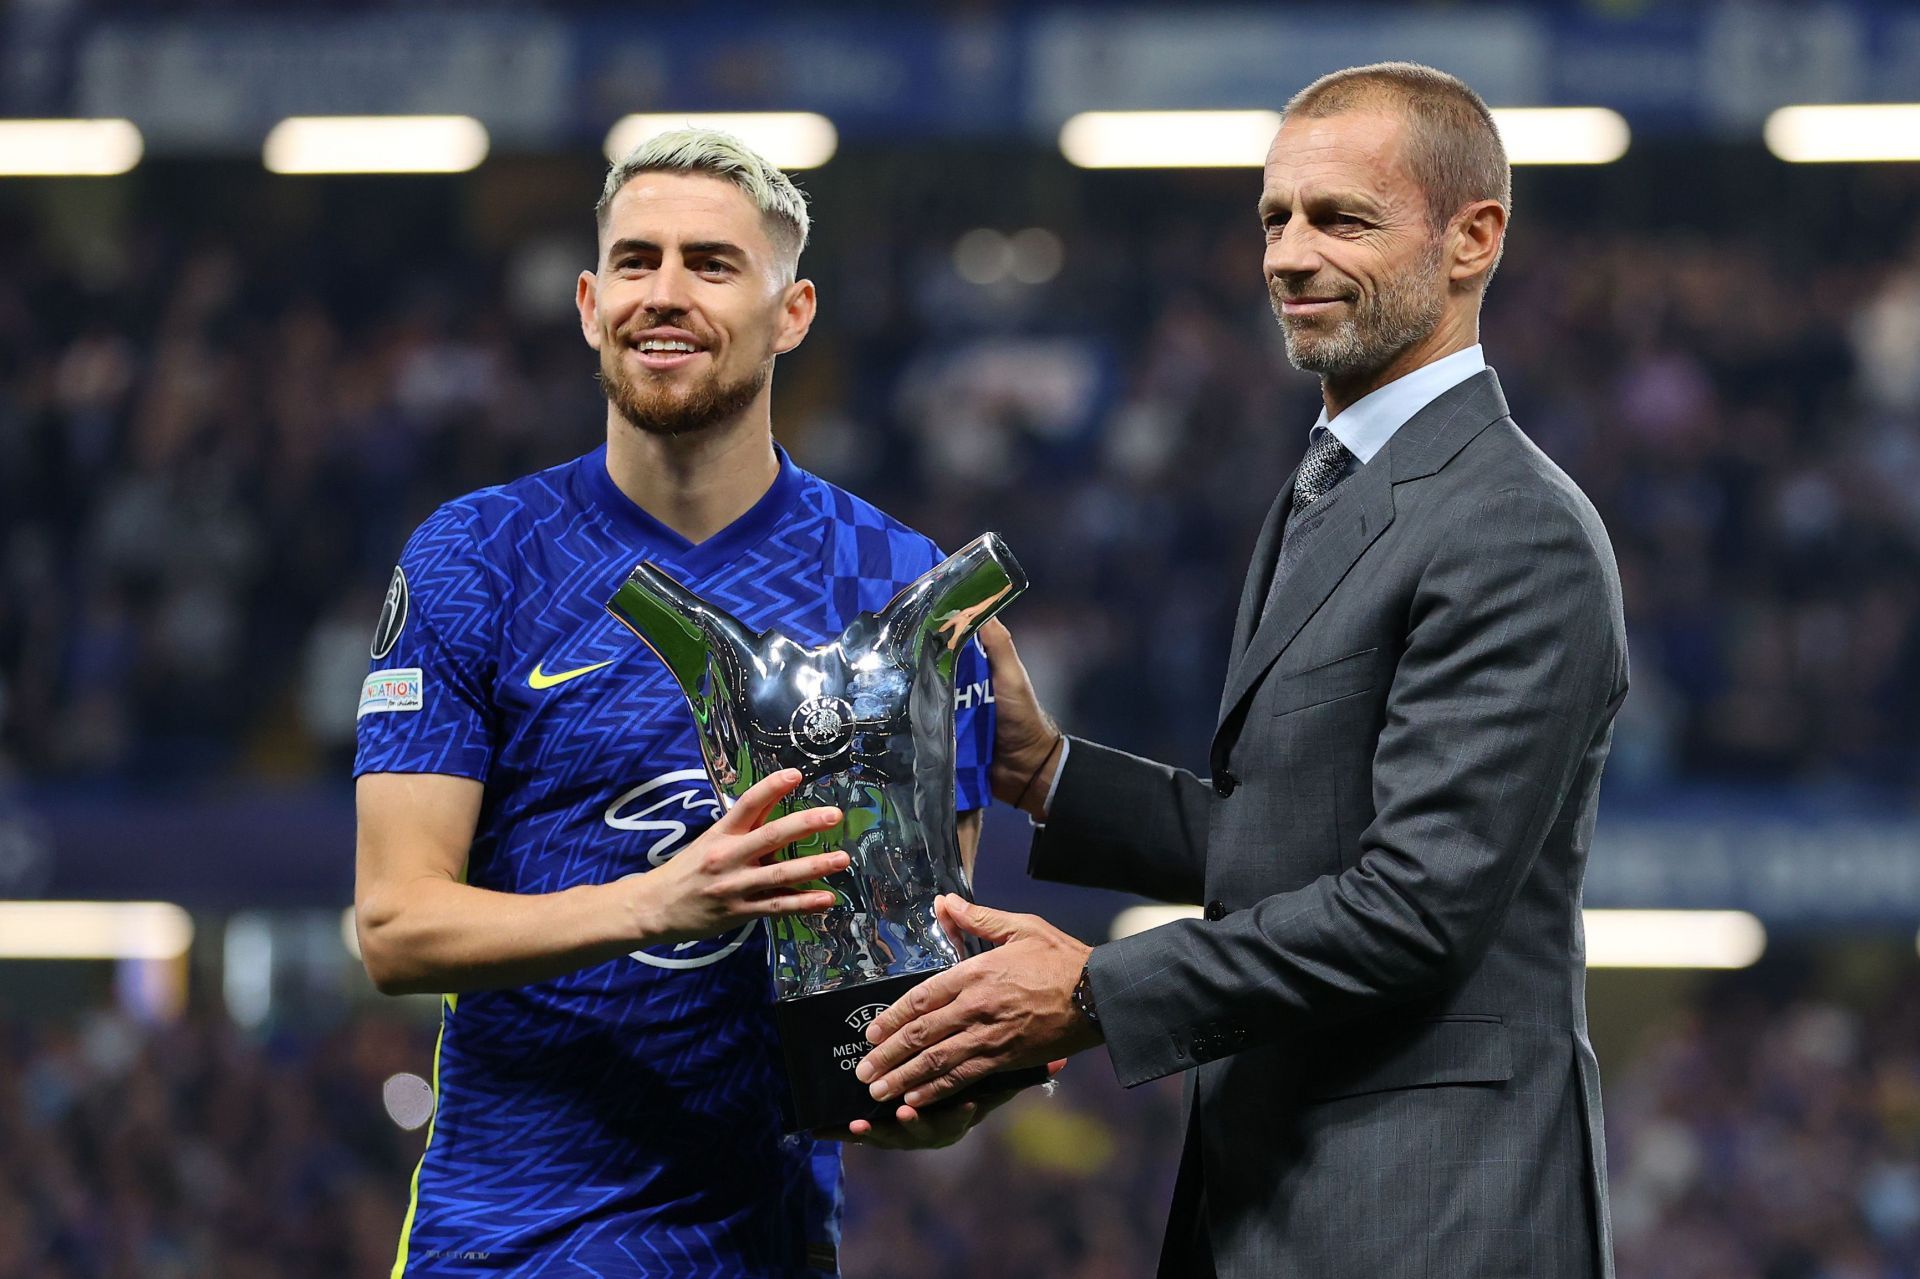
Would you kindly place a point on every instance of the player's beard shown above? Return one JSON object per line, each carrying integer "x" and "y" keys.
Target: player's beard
{"x": 1377, "y": 327}
{"x": 659, "y": 405}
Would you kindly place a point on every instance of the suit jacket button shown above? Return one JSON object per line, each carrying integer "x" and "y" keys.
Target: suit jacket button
{"x": 1216, "y": 910}
{"x": 1225, "y": 783}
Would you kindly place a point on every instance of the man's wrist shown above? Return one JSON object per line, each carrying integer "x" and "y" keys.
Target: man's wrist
{"x": 1083, "y": 1002}
{"x": 1036, "y": 797}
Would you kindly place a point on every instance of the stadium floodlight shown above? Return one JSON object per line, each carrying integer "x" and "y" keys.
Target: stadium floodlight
{"x": 1562, "y": 135}
{"x": 68, "y": 148}
{"x": 1138, "y": 919}
{"x": 94, "y": 930}
{"x": 1168, "y": 139}
{"x": 1673, "y": 939}
{"x": 1228, "y": 139}
{"x": 788, "y": 139}
{"x": 1615, "y": 938}
{"x": 375, "y": 144}
{"x": 1845, "y": 133}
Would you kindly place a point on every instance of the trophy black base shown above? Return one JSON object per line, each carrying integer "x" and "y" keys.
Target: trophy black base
{"x": 824, "y": 1037}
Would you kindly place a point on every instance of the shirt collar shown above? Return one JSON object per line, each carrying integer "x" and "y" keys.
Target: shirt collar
{"x": 649, "y": 535}
{"x": 1368, "y": 423}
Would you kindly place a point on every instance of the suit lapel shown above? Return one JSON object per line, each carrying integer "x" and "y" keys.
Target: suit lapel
{"x": 1428, "y": 441}
{"x": 1362, "y": 513}
{"x": 1266, "y": 551}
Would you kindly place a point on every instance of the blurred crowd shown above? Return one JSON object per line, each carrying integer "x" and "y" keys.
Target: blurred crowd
{"x": 1771, "y": 1139}
{"x": 214, "y": 439}
{"x": 1750, "y": 1138}
{"x": 199, "y": 1152}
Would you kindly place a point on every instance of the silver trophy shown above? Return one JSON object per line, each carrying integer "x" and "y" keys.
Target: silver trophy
{"x": 868, "y": 721}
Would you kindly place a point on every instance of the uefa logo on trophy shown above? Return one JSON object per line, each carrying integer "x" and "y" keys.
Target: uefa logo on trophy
{"x": 868, "y": 719}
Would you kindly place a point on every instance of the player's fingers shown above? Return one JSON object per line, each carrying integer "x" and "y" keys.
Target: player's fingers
{"x": 777, "y": 834}
{"x": 808, "y": 903}
{"x": 757, "y": 879}
{"x": 752, "y": 807}
{"x": 941, "y": 1127}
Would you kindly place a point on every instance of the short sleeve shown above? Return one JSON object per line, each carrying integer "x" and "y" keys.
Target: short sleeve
{"x": 426, "y": 706}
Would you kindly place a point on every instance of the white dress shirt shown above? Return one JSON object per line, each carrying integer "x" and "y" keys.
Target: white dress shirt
{"x": 1369, "y": 422}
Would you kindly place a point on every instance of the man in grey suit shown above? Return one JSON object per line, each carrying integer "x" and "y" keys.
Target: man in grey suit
{"x": 1383, "y": 1009}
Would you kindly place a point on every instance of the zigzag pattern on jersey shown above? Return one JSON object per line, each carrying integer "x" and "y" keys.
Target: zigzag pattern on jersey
{"x": 873, "y": 556}
{"x": 452, "y": 616}
{"x": 700, "y": 1023}
{"x": 625, "y": 1111}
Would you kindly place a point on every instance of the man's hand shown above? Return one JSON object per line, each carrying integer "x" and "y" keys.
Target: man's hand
{"x": 1026, "y": 741}
{"x": 723, "y": 878}
{"x": 942, "y": 1126}
{"x": 1009, "y": 1008}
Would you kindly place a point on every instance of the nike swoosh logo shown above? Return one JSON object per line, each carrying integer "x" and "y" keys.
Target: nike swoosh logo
{"x": 539, "y": 679}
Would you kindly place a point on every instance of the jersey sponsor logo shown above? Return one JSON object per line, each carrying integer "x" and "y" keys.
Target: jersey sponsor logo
{"x": 393, "y": 616}
{"x": 821, "y": 726}
{"x": 395, "y": 690}
{"x": 672, "y": 808}
{"x": 981, "y": 693}
{"x": 539, "y": 679}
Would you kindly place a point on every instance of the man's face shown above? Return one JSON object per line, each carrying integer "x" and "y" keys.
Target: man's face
{"x": 1353, "y": 265}
{"x": 690, "y": 303}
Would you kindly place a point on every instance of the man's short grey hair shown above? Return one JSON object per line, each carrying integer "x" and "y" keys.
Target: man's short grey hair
{"x": 726, "y": 157}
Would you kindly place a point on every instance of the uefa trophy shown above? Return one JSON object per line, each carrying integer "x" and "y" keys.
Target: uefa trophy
{"x": 868, "y": 720}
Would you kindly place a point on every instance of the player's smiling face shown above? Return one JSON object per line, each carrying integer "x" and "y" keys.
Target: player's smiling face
{"x": 691, "y": 303}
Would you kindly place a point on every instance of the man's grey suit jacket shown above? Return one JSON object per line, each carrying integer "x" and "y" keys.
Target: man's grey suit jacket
{"x": 1385, "y": 1006}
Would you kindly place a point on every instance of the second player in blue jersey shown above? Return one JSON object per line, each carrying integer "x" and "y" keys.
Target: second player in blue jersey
{"x": 537, "y": 832}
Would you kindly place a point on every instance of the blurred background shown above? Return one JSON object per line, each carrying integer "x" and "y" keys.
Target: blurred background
{"x": 231, "y": 381}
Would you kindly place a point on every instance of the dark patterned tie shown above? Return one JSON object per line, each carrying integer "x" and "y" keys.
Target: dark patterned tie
{"x": 1325, "y": 465}
{"x": 1327, "y": 462}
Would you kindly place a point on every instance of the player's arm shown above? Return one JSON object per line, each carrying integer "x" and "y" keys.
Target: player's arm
{"x": 423, "y": 930}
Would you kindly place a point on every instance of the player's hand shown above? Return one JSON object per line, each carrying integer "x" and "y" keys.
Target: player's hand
{"x": 940, "y": 1126}
{"x": 725, "y": 878}
{"x": 1025, "y": 738}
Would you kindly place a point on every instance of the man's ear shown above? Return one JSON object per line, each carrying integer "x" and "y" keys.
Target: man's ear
{"x": 1475, "y": 238}
{"x": 586, "y": 300}
{"x": 797, "y": 304}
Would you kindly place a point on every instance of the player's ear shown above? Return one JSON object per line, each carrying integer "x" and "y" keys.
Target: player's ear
{"x": 586, "y": 300}
{"x": 797, "y": 303}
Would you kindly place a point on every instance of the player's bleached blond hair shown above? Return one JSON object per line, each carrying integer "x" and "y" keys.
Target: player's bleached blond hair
{"x": 726, "y": 157}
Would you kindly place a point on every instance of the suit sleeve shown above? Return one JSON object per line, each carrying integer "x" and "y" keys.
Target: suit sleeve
{"x": 1515, "y": 661}
{"x": 1119, "y": 821}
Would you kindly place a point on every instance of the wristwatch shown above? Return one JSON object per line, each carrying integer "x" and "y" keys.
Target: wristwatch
{"x": 1083, "y": 996}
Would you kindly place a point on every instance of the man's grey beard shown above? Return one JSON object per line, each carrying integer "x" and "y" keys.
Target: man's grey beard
{"x": 657, "y": 411}
{"x": 1405, "y": 311}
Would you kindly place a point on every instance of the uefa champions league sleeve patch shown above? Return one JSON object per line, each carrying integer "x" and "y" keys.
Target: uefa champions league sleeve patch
{"x": 395, "y": 690}
{"x": 393, "y": 616}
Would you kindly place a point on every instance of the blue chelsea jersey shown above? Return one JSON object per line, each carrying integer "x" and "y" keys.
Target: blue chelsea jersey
{"x": 625, "y": 1119}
